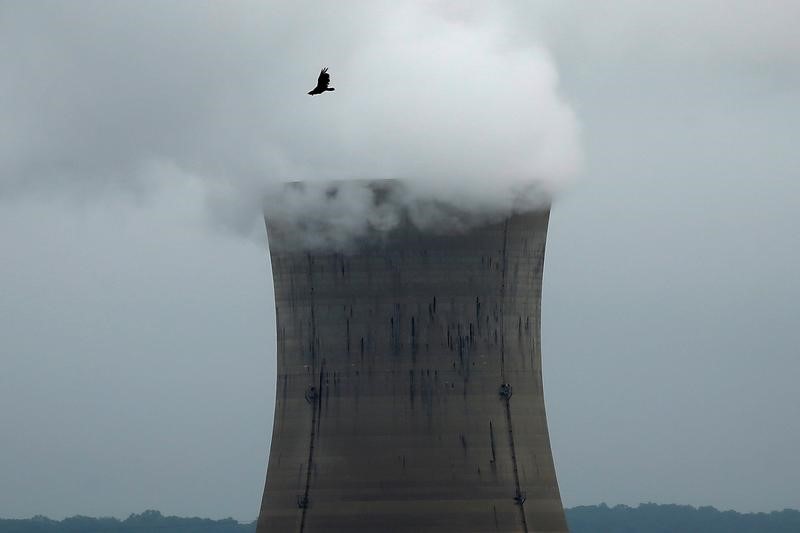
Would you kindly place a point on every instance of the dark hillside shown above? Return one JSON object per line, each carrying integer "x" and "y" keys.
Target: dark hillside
{"x": 655, "y": 518}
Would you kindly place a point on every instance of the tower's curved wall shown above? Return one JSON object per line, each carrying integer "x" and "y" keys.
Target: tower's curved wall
{"x": 409, "y": 392}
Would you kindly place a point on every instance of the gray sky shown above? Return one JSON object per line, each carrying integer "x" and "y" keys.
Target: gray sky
{"x": 136, "y": 331}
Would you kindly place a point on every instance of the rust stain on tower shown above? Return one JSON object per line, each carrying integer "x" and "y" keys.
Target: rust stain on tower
{"x": 409, "y": 392}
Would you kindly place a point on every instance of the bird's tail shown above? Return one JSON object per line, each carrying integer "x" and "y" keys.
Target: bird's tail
{"x": 330, "y": 89}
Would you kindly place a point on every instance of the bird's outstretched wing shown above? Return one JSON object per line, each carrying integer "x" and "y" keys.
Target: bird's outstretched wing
{"x": 324, "y": 79}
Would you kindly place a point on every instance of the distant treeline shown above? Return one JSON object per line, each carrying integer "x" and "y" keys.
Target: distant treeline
{"x": 646, "y": 518}
{"x": 136, "y": 523}
{"x": 656, "y": 518}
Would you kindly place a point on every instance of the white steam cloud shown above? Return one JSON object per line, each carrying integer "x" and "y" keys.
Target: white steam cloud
{"x": 103, "y": 95}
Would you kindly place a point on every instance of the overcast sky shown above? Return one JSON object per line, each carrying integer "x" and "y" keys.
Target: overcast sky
{"x": 136, "y": 311}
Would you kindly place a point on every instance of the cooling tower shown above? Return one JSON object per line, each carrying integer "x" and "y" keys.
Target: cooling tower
{"x": 409, "y": 390}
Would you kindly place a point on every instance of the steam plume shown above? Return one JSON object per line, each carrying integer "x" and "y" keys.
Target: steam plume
{"x": 101, "y": 94}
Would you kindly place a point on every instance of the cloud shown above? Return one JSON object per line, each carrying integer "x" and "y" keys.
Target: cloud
{"x": 100, "y": 95}
{"x": 735, "y": 34}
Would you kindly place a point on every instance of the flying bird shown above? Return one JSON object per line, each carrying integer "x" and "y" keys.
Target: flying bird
{"x": 322, "y": 83}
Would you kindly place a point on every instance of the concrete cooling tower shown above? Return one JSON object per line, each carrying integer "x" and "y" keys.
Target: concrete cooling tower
{"x": 409, "y": 390}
